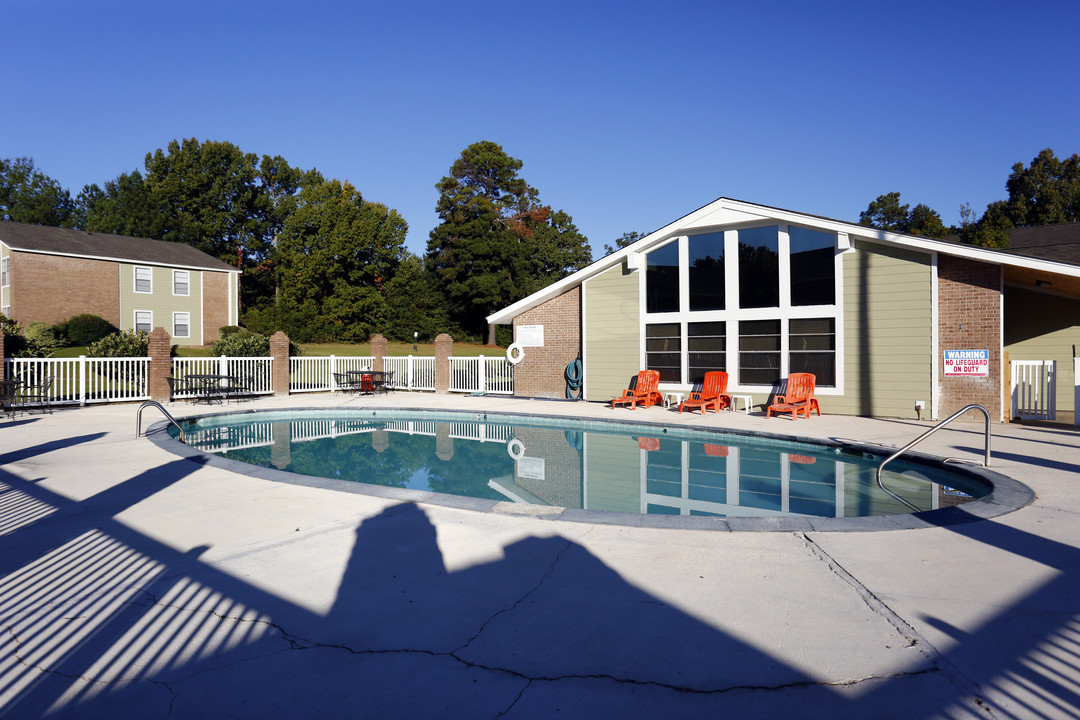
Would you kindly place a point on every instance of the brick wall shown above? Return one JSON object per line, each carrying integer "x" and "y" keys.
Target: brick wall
{"x": 215, "y": 304}
{"x": 51, "y": 288}
{"x": 540, "y": 372}
{"x": 561, "y": 483}
{"x": 969, "y": 318}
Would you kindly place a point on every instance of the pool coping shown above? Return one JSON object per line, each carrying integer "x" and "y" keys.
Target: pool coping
{"x": 1006, "y": 494}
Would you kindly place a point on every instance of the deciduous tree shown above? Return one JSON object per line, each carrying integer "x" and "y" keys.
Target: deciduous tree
{"x": 335, "y": 252}
{"x": 887, "y": 213}
{"x": 30, "y": 196}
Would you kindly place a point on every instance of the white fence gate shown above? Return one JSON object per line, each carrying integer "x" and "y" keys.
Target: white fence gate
{"x": 1034, "y": 389}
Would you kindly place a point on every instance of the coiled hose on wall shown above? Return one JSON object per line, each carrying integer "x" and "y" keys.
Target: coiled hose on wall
{"x": 573, "y": 380}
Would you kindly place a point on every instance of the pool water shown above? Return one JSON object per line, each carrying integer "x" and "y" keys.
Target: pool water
{"x": 593, "y": 466}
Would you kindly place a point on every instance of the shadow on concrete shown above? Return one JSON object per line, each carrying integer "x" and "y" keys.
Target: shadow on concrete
{"x": 102, "y": 621}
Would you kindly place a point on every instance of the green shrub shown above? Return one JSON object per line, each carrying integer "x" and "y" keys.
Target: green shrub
{"x": 227, "y": 330}
{"x": 125, "y": 344}
{"x": 85, "y": 329}
{"x": 242, "y": 344}
{"x": 41, "y": 340}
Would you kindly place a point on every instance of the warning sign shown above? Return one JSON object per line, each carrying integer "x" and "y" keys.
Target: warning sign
{"x": 967, "y": 362}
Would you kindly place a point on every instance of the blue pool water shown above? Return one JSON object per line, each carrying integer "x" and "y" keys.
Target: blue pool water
{"x": 569, "y": 464}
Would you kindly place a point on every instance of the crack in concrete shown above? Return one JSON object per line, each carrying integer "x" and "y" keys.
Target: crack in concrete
{"x": 967, "y": 687}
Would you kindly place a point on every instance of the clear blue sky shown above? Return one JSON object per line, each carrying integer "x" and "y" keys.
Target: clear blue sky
{"x": 627, "y": 115}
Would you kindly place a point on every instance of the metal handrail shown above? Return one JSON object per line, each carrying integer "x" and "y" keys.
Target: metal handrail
{"x": 928, "y": 433}
{"x": 159, "y": 406}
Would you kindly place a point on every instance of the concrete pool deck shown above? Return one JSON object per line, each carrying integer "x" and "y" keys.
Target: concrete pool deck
{"x": 139, "y": 584}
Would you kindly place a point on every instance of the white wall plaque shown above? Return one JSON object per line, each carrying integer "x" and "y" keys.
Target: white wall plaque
{"x": 530, "y": 335}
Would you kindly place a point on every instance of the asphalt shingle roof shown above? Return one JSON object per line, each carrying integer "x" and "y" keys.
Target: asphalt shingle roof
{"x": 80, "y": 243}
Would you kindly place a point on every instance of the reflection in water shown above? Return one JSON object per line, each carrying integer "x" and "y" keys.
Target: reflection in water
{"x": 595, "y": 470}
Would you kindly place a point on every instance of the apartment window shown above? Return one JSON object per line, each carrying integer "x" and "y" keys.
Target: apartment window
{"x": 759, "y": 352}
{"x": 181, "y": 282}
{"x": 706, "y": 347}
{"x": 144, "y": 280}
{"x": 662, "y": 279}
{"x": 181, "y": 324}
{"x": 759, "y": 268}
{"x": 5, "y": 280}
{"x": 144, "y": 321}
{"x": 812, "y": 348}
{"x": 706, "y": 262}
{"x": 813, "y": 269}
{"x": 6, "y": 311}
{"x": 663, "y": 350}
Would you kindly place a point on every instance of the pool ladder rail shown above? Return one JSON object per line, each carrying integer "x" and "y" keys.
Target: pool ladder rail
{"x": 928, "y": 433}
{"x": 159, "y": 406}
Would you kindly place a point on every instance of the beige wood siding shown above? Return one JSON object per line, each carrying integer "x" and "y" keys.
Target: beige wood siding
{"x": 161, "y": 301}
{"x": 612, "y": 333}
{"x": 888, "y": 332}
{"x": 602, "y": 491}
{"x": 1039, "y": 326}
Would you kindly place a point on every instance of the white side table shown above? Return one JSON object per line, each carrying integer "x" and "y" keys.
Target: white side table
{"x": 747, "y": 400}
{"x": 672, "y": 397}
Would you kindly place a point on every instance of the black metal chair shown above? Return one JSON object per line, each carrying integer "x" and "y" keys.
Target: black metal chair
{"x": 37, "y": 394}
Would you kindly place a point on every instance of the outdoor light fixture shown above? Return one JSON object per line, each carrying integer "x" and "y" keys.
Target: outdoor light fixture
{"x": 414, "y": 335}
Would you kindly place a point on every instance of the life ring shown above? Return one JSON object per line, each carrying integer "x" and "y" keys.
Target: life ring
{"x": 515, "y": 353}
{"x": 516, "y": 449}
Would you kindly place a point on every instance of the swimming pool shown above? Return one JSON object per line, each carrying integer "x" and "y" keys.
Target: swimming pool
{"x": 599, "y": 471}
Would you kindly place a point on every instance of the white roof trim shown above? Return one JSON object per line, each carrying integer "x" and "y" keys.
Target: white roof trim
{"x": 697, "y": 220}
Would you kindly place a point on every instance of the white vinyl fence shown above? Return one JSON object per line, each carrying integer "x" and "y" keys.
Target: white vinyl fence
{"x": 255, "y": 373}
{"x": 410, "y": 373}
{"x": 84, "y": 380}
{"x": 482, "y": 375}
{"x": 316, "y": 374}
{"x": 1034, "y": 389}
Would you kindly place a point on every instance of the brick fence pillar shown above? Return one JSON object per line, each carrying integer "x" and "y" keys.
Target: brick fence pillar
{"x": 379, "y": 348}
{"x": 279, "y": 350}
{"x": 444, "y": 348}
{"x": 157, "y": 380}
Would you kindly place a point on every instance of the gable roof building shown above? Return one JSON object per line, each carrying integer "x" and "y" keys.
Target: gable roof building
{"x": 761, "y": 292}
{"x": 51, "y": 274}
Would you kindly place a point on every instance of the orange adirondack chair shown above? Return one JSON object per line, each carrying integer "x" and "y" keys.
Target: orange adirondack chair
{"x": 646, "y": 391}
{"x": 798, "y": 397}
{"x": 713, "y": 391}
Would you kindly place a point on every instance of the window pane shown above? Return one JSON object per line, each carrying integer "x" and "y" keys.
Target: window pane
{"x": 707, "y": 271}
{"x": 181, "y": 324}
{"x": 180, "y": 282}
{"x": 813, "y": 270}
{"x": 662, "y": 279}
{"x": 759, "y": 268}
{"x": 143, "y": 321}
{"x": 663, "y": 350}
{"x": 706, "y": 349}
{"x": 142, "y": 280}
{"x": 812, "y": 342}
{"x": 759, "y": 352}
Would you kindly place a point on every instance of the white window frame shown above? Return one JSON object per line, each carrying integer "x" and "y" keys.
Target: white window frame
{"x": 187, "y": 282}
{"x": 175, "y": 317}
{"x": 6, "y": 311}
{"x": 149, "y": 313}
{"x": 135, "y": 275}
{"x": 5, "y": 271}
{"x": 734, "y": 314}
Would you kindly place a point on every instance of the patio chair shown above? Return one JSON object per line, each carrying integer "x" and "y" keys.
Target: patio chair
{"x": 645, "y": 390}
{"x": 712, "y": 393}
{"x": 37, "y": 394}
{"x": 798, "y": 397}
{"x": 349, "y": 382}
